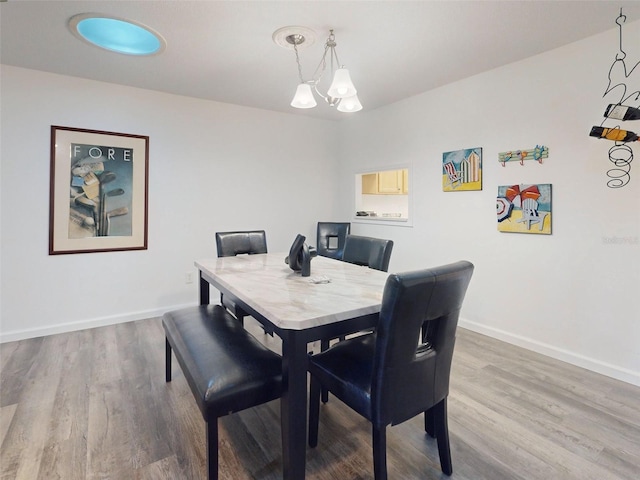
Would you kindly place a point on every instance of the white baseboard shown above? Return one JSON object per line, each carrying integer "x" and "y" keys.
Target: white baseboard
{"x": 84, "y": 324}
{"x": 592, "y": 364}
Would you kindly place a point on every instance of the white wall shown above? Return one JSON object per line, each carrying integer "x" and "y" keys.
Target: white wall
{"x": 574, "y": 295}
{"x": 212, "y": 167}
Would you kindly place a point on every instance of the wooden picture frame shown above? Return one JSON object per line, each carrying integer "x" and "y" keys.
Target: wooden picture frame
{"x": 98, "y": 192}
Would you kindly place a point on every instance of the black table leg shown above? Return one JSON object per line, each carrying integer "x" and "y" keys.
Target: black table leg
{"x": 293, "y": 405}
{"x": 204, "y": 291}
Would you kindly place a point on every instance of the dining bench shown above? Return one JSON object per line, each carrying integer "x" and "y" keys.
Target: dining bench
{"x": 227, "y": 368}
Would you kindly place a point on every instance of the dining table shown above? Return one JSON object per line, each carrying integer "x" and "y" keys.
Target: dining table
{"x": 338, "y": 298}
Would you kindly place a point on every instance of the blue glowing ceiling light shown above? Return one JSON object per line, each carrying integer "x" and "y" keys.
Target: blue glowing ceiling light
{"x": 117, "y": 35}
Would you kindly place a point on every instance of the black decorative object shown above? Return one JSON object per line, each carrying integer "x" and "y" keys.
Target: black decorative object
{"x": 300, "y": 255}
{"x": 620, "y": 154}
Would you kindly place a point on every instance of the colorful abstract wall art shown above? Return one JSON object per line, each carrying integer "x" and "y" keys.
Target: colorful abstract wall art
{"x": 462, "y": 170}
{"x": 524, "y": 208}
{"x": 538, "y": 153}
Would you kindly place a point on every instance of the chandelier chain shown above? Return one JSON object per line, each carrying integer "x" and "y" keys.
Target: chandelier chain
{"x": 295, "y": 48}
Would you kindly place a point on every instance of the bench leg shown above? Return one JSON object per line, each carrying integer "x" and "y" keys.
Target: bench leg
{"x": 212, "y": 449}
{"x": 167, "y": 368}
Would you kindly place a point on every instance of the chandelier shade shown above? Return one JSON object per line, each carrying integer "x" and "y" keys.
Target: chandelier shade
{"x": 303, "y": 97}
{"x": 342, "y": 86}
{"x": 350, "y": 105}
{"x": 341, "y": 92}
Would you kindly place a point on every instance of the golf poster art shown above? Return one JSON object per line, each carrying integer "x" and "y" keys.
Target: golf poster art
{"x": 98, "y": 191}
{"x": 524, "y": 208}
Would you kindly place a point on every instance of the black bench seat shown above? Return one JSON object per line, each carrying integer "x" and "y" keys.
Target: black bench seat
{"x": 227, "y": 368}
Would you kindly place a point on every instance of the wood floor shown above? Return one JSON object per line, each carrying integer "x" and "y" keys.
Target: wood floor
{"x": 93, "y": 404}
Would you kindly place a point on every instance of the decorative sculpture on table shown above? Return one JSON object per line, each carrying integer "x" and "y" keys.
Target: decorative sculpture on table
{"x": 300, "y": 255}
{"x": 621, "y": 154}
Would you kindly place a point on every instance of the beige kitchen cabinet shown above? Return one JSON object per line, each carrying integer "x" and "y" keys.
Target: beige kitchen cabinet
{"x": 370, "y": 184}
{"x": 389, "y": 182}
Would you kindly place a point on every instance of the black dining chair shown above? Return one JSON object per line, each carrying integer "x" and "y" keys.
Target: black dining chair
{"x": 229, "y": 244}
{"x": 402, "y": 369}
{"x": 331, "y": 237}
{"x": 368, "y": 251}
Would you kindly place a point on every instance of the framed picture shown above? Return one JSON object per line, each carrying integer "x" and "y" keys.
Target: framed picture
{"x": 524, "y": 208}
{"x": 98, "y": 193}
{"x": 462, "y": 170}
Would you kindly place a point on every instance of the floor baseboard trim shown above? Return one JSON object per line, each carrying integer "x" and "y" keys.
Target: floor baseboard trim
{"x": 84, "y": 324}
{"x": 613, "y": 371}
{"x": 592, "y": 364}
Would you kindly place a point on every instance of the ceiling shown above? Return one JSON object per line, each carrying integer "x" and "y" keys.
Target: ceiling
{"x": 223, "y": 50}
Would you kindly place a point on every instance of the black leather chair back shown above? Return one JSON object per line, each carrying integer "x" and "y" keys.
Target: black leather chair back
{"x": 371, "y": 252}
{"x": 328, "y": 230}
{"x": 230, "y": 244}
{"x": 415, "y": 339}
{"x": 402, "y": 369}
{"x": 235, "y": 243}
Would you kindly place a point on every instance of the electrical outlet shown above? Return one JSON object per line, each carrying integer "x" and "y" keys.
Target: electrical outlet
{"x": 188, "y": 277}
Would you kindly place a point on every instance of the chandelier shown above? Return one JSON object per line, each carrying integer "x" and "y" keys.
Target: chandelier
{"x": 341, "y": 94}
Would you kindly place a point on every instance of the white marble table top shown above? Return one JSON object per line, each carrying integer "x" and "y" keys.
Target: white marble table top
{"x": 290, "y": 301}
